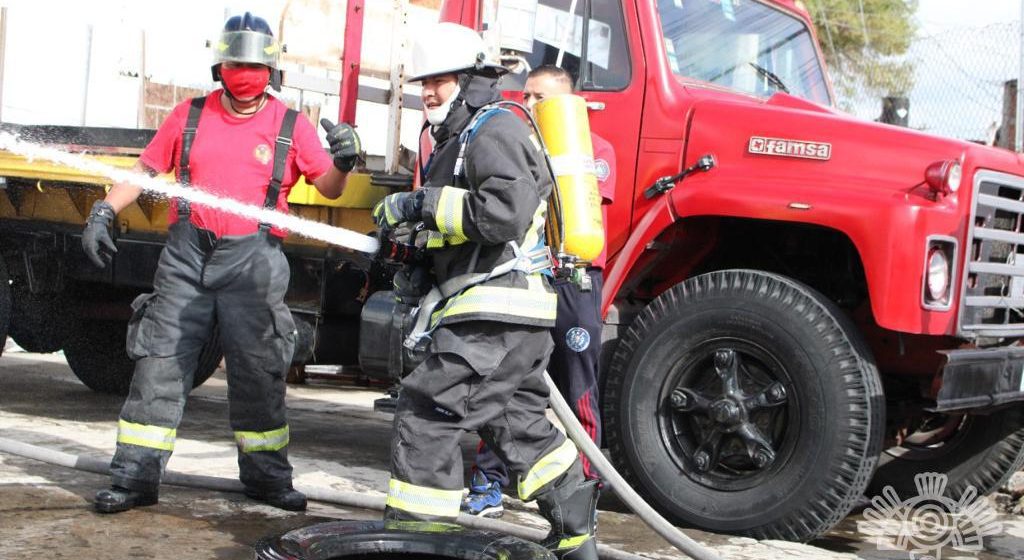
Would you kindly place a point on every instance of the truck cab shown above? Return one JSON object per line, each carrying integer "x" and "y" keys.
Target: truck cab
{"x": 830, "y": 308}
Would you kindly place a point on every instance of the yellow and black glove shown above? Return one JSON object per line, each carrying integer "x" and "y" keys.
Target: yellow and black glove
{"x": 398, "y": 208}
{"x": 344, "y": 144}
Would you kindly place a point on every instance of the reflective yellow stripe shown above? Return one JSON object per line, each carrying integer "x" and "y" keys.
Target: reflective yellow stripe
{"x": 435, "y": 240}
{"x": 143, "y": 435}
{"x": 423, "y": 500}
{"x": 572, "y": 542}
{"x": 550, "y": 467}
{"x": 532, "y": 238}
{"x": 449, "y": 212}
{"x": 438, "y": 240}
{"x": 534, "y": 302}
{"x": 422, "y": 526}
{"x": 249, "y": 442}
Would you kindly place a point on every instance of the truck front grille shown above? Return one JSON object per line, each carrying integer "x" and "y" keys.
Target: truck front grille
{"x": 993, "y": 290}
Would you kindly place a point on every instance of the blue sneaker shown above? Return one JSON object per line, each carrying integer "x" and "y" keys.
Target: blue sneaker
{"x": 484, "y": 499}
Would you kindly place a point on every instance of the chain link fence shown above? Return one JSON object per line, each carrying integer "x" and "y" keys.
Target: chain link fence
{"x": 959, "y": 87}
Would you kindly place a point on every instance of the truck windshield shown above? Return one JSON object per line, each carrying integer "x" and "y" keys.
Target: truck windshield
{"x": 744, "y": 45}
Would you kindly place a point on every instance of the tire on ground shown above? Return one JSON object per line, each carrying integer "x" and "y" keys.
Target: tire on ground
{"x": 979, "y": 450}
{"x": 823, "y": 427}
{"x": 391, "y": 540}
{"x": 95, "y": 350}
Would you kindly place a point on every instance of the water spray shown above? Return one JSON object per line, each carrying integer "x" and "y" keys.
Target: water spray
{"x": 306, "y": 228}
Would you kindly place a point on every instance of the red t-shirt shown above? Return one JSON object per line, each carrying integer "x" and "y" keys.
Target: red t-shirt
{"x": 604, "y": 164}
{"x": 234, "y": 157}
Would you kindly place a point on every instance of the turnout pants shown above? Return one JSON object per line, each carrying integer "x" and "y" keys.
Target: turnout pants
{"x": 483, "y": 376}
{"x": 237, "y": 283}
{"x": 574, "y": 367}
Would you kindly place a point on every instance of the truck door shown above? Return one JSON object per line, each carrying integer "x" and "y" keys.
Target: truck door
{"x": 597, "y": 41}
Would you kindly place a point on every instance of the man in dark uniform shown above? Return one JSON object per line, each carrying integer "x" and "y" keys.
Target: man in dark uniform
{"x": 486, "y": 321}
{"x": 242, "y": 143}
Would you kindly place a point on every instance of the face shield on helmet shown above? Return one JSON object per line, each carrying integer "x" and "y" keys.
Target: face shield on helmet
{"x": 250, "y": 47}
{"x": 247, "y": 39}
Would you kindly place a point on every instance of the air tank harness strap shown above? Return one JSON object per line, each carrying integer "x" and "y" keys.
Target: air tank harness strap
{"x": 527, "y": 262}
{"x": 482, "y": 115}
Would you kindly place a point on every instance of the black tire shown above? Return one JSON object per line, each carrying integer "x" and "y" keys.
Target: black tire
{"x": 410, "y": 540}
{"x": 39, "y": 322}
{"x": 5, "y": 304}
{"x": 95, "y": 350}
{"x": 973, "y": 450}
{"x": 809, "y": 448}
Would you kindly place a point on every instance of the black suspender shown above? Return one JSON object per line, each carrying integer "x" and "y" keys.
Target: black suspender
{"x": 284, "y": 141}
{"x": 281, "y": 146}
{"x": 187, "y": 136}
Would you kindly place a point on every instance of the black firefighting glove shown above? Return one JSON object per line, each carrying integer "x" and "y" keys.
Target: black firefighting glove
{"x": 411, "y": 283}
{"x": 398, "y": 208}
{"x": 96, "y": 240}
{"x": 344, "y": 143}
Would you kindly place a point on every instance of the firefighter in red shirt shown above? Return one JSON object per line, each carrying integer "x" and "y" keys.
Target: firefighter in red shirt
{"x": 575, "y": 360}
{"x": 219, "y": 269}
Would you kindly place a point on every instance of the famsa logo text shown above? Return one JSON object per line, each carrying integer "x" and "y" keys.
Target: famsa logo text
{"x": 789, "y": 148}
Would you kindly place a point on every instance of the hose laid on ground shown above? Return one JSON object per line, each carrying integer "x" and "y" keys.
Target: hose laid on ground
{"x": 653, "y": 519}
{"x": 327, "y": 495}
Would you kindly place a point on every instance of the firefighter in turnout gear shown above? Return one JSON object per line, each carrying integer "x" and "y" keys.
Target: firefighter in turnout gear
{"x": 575, "y": 361}
{"x": 485, "y": 324}
{"x": 218, "y": 269}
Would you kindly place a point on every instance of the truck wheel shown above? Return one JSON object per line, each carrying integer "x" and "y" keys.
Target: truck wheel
{"x": 38, "y": 321}
{"x": 976, "y": 450}
{"x": 745, "y": 402}
{"x": 97, "y": 356}
{"x": 5, "y": 304}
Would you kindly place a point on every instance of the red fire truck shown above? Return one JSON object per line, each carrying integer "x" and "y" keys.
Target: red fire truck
{"x": 801, "y": 307}
{"x": 824, "y": 306}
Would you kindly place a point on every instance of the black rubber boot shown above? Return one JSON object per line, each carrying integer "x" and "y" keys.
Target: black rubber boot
{"x": 117, "y": 499}
{"x": 288, "y": 498}
{"x": 572, "y": 513}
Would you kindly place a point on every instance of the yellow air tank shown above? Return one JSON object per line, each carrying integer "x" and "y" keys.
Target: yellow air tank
{"x": 564, "y": 124}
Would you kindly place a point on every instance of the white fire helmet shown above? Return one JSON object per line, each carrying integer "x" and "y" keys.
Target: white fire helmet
{"x": 449, "y": 48}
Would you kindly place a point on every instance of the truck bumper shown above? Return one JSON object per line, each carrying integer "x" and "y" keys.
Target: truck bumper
{"x": 980, "y": 378}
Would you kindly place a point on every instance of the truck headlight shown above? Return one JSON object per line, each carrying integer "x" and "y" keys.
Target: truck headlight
{"x": 938, "y": 273}
{"x": 943, "y": 177}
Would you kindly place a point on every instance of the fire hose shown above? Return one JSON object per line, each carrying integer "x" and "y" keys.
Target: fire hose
{"x": 320, "y": 494}
{"x": 352, "y": 499}
{"x": 363, "y": 243}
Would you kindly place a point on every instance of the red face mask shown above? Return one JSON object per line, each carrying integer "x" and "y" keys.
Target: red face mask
{"x": 245, "y": 83}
